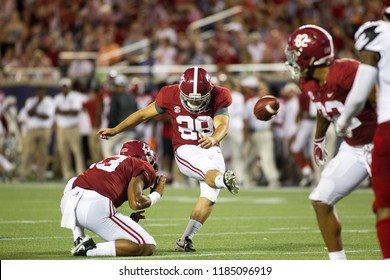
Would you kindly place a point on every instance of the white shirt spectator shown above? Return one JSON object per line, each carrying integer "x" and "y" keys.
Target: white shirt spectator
{"x": 72, "y": 101}
{"x": 46, "y": 107}
{"x": 85, "y": 122}
{"x": 256, "y": 48}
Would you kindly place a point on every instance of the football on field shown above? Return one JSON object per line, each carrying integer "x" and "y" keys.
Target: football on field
{"x": 266, "y": 108}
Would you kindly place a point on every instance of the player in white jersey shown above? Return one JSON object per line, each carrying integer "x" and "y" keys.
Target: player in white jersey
{"x": 372, "y": 40}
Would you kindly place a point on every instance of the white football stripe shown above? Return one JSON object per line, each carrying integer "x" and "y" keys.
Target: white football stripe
{"x": 235, "y": 253}
{"x": 195, "y": 88}
{"x": 270, "y": 109}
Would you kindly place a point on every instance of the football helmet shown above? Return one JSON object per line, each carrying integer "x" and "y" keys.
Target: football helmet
{"x": 195, "y": 90}
{"x": 308, "y": 46}
{"x": 142, "y": 150}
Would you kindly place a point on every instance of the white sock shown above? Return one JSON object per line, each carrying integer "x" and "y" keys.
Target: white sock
{"x": 340, "y": 255}
{"x": 78, "y": 232}
{"x": 192, "y": 228}
{"x": 219, "y": 182}
{"x": 103, "y": 249}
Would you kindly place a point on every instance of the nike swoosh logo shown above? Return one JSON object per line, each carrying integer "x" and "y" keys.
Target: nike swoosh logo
{"x": 330, "y": 94}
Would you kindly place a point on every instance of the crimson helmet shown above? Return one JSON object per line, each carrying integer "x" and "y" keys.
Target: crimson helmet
{"x": 142, "y": 150}
{"x": 308, "y": 46}
{"x": 195, "y": 90}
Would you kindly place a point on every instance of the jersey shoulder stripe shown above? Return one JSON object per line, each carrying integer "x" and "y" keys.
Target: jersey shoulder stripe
{"x": 373, "y": 36}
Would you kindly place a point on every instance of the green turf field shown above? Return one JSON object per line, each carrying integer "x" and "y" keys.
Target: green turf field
{"x": 253, "y": 225}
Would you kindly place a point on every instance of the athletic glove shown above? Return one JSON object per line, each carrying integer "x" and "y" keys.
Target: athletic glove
{"x": 342, "y": 127}
{"x": 136, "y": 216}
{"x": 320, "y": 153}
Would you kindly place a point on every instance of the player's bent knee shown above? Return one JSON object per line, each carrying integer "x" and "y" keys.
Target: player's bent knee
{"x": 143, "y": 250}
{"x": 210, "y": 177}
{"x": 321, "y": 206}
{"x": 147, "y": 249}
{"x": 128, "y": 248}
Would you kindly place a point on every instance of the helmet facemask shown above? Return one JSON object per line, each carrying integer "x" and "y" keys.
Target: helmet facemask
{"x": 195, "y": 90}
{"x": 291, "y": 63}
{"x": 195, "y": 102}
{"x": 151, "y": 157}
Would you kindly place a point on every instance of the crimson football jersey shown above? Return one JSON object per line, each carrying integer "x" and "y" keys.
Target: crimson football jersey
{"x": 186, "y": 126}
{"x": 330, "y": 98}
{"x": 111, "y": 176}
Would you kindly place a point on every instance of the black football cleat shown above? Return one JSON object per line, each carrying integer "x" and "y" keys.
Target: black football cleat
{"x": 184, "y": 245}
{"x": 83, "y": 247}
{"x": 77, "y": 242}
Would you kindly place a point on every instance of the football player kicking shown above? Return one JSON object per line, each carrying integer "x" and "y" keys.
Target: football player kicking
{"x": 199, "y": 113}
{"x": 310, "y": 57}
{"x": 91, "y": 200}
{"x": 372, "y": 40}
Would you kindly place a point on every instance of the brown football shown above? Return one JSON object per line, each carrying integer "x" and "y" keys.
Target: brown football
{"x": 266, "y": 108}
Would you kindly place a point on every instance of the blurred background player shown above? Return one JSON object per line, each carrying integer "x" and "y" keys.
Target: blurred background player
{"x": 232, "y": 144}
{"x": 259, "y": 140}
{"x": 10, "y": 137}
{"x": 39, "y": 122}
{"x": 199, "y": 113}
{"x": 68, "y": 105}
{"x": 301, "y": 146}
{"x": 103, "y": 110}
{"x": 310, "y": 57}
{"x": 285, "y": 130}
{"x": 372, "y": 40}
{"x": 122, "y": 104}
{"x": 92, "y": 108}
{"x": 90, "y": 201}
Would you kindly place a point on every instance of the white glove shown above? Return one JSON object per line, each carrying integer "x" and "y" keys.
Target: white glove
{"x": 320, "y": 153}
{"x": 342, "y": 127}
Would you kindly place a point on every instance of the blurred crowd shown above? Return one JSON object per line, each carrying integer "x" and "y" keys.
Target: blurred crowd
{"x": 38, "y": 142}
{"x": 35, "y": 32}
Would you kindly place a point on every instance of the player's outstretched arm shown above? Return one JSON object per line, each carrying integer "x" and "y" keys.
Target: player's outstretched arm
{"x": 130, "y": 122}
